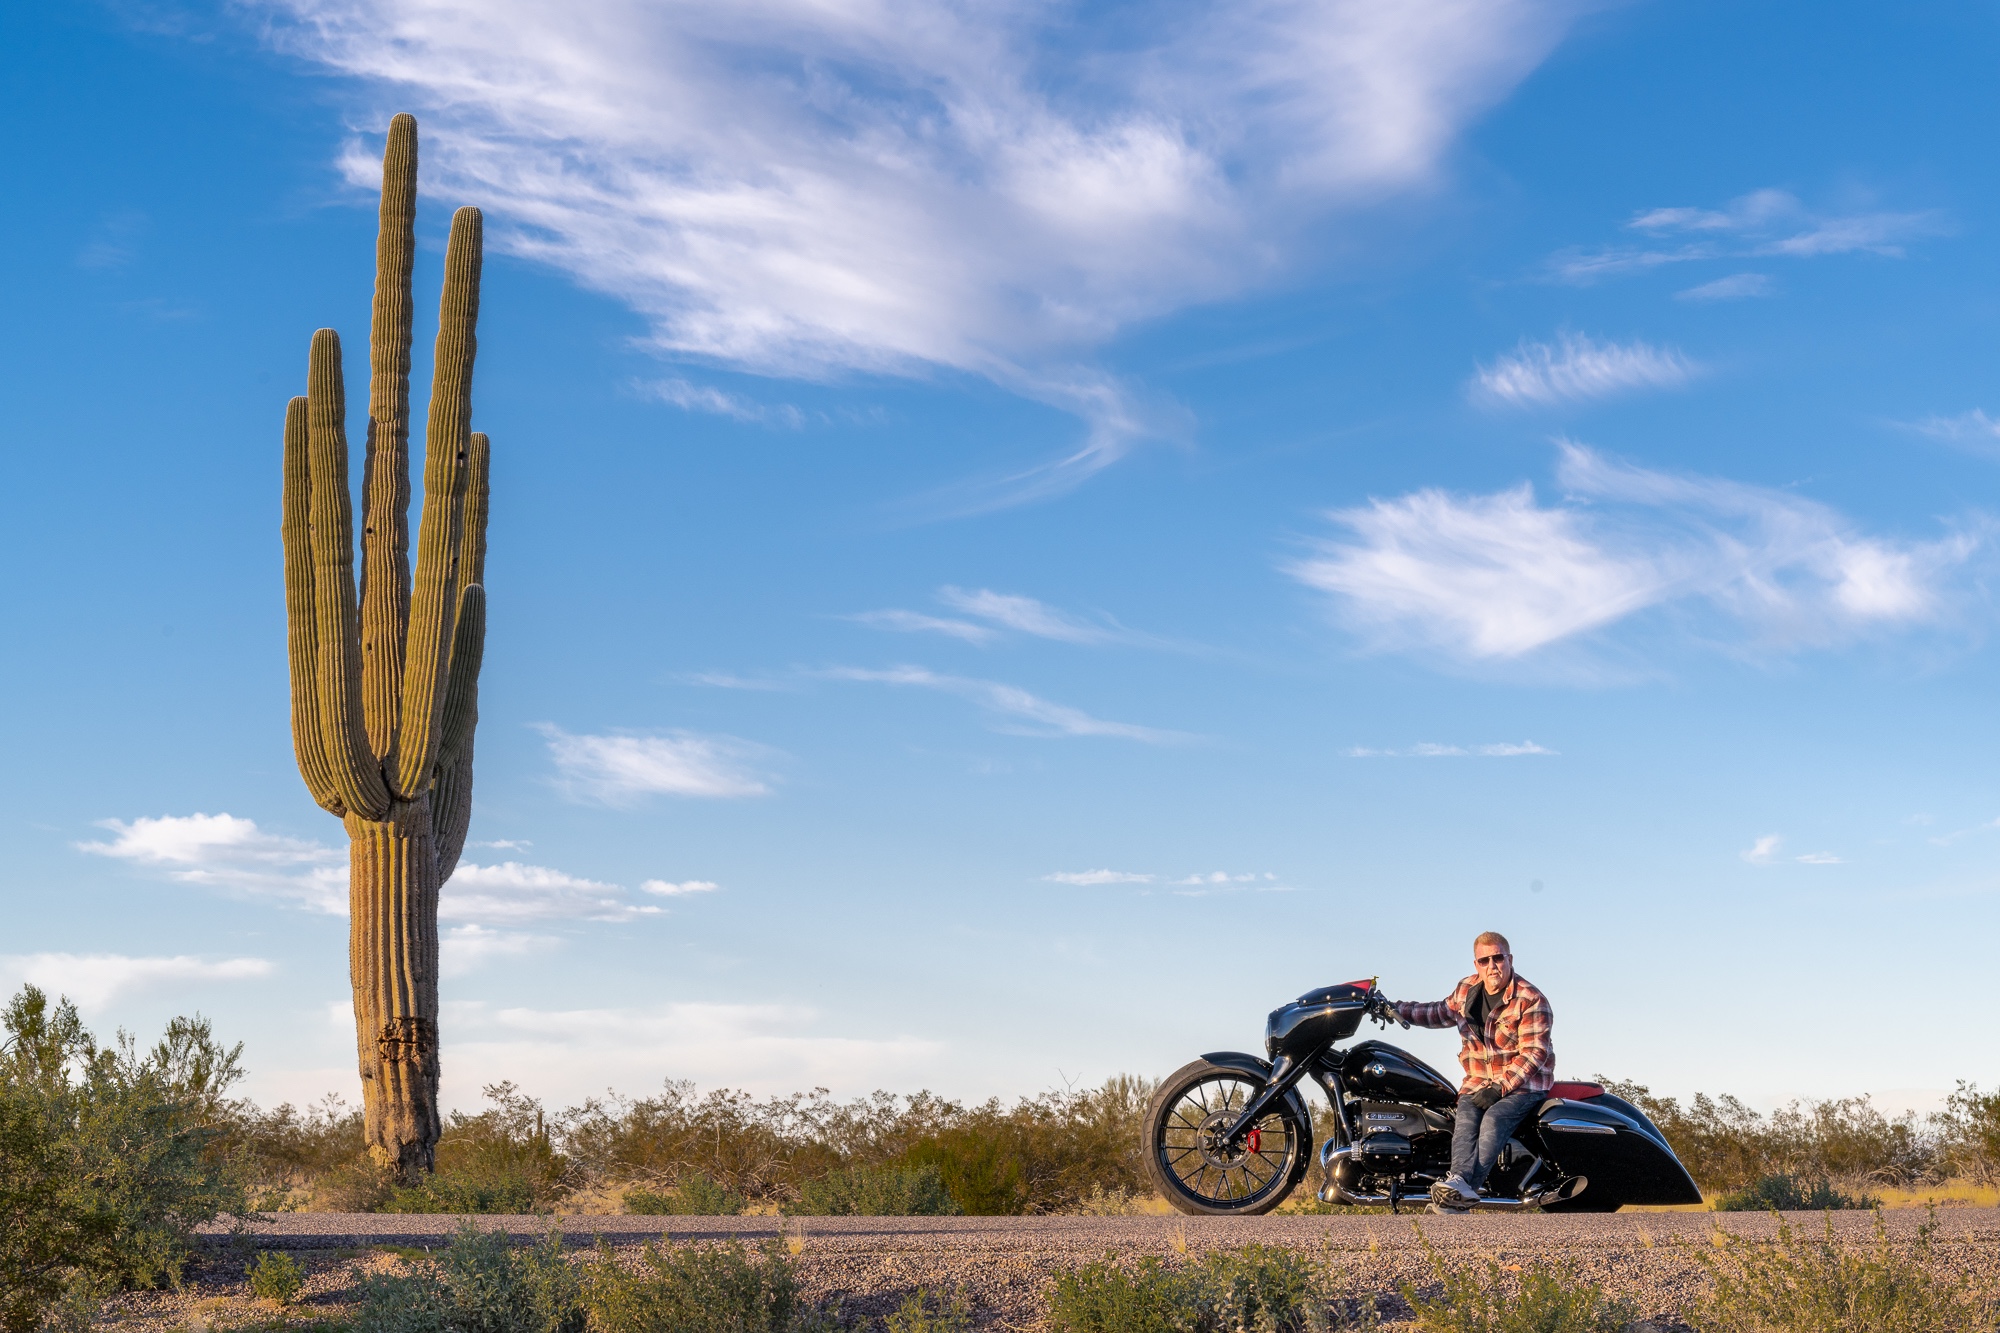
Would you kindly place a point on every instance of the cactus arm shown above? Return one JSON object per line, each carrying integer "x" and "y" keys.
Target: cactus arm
{"x": 451, "y": 811}
{"x": 451, "y": 798}
{"x": 472, "y": 527}
{"x": 434, "y": 598}
{"x": 461, "y": 698}
{"x": 385, "y": 486}
{"x": 343, "y": 737}
{"x": 299, "y": 612}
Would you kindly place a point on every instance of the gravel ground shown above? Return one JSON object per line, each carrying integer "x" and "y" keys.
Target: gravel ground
{"x": 1005, "y": 1264}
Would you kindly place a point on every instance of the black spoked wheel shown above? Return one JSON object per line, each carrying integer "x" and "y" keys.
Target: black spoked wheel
{"x": 1196, "y": 1170}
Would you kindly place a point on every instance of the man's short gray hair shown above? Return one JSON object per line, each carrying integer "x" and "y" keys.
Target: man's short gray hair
{"x": 1493, "y": 937}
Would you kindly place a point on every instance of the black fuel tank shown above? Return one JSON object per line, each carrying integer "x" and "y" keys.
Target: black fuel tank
{"x": 1376, "y": 1069}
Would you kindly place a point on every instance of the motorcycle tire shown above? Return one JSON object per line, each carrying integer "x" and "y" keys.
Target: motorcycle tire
{"x": 1189, "y": 1113}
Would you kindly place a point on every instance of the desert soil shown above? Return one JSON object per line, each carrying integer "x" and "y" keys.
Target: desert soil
{"x": 1006, "y": 1264}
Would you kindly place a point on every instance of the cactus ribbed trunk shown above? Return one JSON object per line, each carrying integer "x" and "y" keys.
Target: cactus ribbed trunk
{"x": 385, "y": 682}
{"x": 392, "y": 894}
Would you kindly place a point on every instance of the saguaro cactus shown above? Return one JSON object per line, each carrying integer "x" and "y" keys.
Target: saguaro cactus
{"x": 385, "y": 686}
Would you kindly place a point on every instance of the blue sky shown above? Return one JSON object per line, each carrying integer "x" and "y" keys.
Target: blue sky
{"x": 1024, "y": 536}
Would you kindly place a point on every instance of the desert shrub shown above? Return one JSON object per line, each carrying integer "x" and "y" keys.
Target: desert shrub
{"x": 1793, "y": 1285}
{"x": 694, "y": 1196}
{"x": 1727, "y": 1146}
{"x": 480, "y": 1284}
{"x": 502, "y": 1160}
{"x": 276, "y": 1277}
{"x": 108, "y": 1157}
{"x": 1544, "y": 1298}
{"x": 1969, "y": 1133}
{"x": 877, "y": 1191}
{"x": 1259, "y": 1288}
{"x": 696, "y": 1289}
{"x": 925, "y": 1312}
{"x": 1044, "y": 1154}
{"x": 1791, "y": 1194}
{"x": 311, "y": 1158}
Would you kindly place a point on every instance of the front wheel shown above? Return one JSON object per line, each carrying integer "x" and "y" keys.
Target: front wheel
{"x": 1195, "y": 1170}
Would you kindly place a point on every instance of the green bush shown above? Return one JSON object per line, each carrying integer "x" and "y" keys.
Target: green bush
{"x": 872, "y": 1191}
{"x": 696, "y": 1289}
{"x": 1545, "y": 1298}
{"x": 1042, "y": 1155}
{"x": 1727, "y": 1146}
{"x": 109, "y": 1158}
{"x": 502, "y": 1160}
{"x": 922, "y": 1312}
{"x": 1792, "y": 1285}
{"x": 1790, "y": 1194}
{"x": 694, "y": 1196}
{"x": 480, "y": 1284}
{"x": 276, "y": 1277}
{"x": 1261, "y": 1289}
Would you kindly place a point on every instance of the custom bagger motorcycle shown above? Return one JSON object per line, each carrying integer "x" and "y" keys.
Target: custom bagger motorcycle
{"x": 1229, "y": 1133}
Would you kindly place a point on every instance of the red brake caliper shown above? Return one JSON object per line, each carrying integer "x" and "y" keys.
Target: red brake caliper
{"x": 1254, "y": 1140}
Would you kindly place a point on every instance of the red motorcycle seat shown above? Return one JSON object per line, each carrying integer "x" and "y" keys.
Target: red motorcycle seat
{"x": 1577, "y": 1092}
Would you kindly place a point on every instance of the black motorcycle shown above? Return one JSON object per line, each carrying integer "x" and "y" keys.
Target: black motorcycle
{"x": 1230, "y": 1135}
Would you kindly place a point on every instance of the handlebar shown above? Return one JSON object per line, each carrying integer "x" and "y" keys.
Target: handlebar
{"x": 1384, "y": 1012}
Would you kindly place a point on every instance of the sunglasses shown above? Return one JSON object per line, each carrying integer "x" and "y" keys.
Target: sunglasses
{"x": 1490, "y": 959}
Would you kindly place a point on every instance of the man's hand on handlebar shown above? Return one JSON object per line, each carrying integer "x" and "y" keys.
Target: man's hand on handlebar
{"x": 1384, "y": 1011}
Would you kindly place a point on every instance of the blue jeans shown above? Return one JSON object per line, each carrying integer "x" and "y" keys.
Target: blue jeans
{"x": 1481, "y": 1136}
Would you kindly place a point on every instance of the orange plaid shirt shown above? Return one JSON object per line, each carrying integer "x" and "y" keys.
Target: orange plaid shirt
{"x": 1513, "y": 1051}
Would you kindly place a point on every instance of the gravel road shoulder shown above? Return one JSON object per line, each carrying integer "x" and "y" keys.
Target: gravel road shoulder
{"x": 1005, "y": 1264}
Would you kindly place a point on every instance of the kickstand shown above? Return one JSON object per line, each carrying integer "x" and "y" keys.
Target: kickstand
{"x": 1396, "y": 1195}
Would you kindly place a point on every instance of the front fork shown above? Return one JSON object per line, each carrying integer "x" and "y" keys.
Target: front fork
{"x": 1286, "y": 1072}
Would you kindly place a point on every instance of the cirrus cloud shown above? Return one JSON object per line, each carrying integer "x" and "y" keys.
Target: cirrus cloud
{"x": 1501, "y": 576}
{"x": 800, "y": 189}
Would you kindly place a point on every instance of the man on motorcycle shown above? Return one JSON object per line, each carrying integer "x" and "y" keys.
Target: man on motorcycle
{"x": 1509, "y": 1064}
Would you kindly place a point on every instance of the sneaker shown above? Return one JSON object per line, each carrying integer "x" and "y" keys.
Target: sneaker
{"x": 1443, "y": 1211}
{"x": 1453, "y": 1192}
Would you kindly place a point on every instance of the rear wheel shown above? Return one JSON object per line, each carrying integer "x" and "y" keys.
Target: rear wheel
{"x": 1196, "y": 1170}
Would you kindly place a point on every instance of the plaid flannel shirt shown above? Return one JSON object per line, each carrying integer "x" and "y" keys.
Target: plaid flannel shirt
{"x": 1514, "y": 1051}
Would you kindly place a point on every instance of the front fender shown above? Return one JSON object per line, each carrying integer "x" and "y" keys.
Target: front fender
{"x": 1251, "y": 1064}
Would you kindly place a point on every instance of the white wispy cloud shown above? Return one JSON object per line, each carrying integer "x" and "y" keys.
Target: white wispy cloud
{"x": 915, "y": 622}
{"x": 1763, "y": 851}
{"x": 993, "y": 614}
{"x": 1047, "y": 718}
{"x": 1224, "y": 882}
{"x": 1764, "y": 223}
{"x": 465, "y": 949}
{"x": 707, "y": 398}
{"x": 231, "y": 853}
{"x": 1575, "y": 369}
{"x": 1974, "y": 431}
{"x": 668, "y": 889}
{"x": 795, "y": 188}
{"x": 620, "y": 769}
{"x": 510, "y": 893}
{"x": 1500, "y": 576}
{"x": 1431, "y": 750}
{"x": 1026, "y": 614}
{"x": 1735, "y": 287}
{"x": 764, "y": 1048}
{"x": 98, "y": 978}
{"x": 1092, "y": 878}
